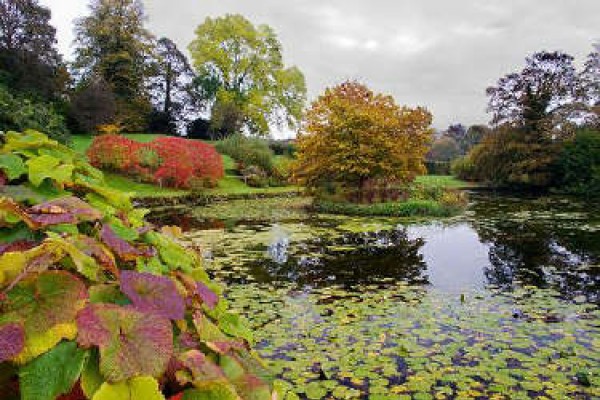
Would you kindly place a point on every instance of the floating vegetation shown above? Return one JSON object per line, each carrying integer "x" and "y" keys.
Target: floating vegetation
{"x": 394, "y": 341}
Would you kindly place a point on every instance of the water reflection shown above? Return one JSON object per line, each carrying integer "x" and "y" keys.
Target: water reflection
{"x": 549, "y": 246}
{"x": 502, "y": 241}
{"x": 349, "y": 259}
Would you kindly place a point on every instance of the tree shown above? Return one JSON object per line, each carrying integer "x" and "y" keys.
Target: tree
{"x": 112, "y": 43}
{"x": 93, "y": 104}
{"x": 29, "y": 61}
{"x": 511, "y": 157}
{"x": 175, "y": 99}
{"x": 590, "y": 85}
{"x": 19, "y": 112}
{"x": 474, "y": 136}
{"x": 355, "y": 137}
{"x": 444, "y": 149}
{"x": 240, "y": 67}
{"x": 540, "y": 97}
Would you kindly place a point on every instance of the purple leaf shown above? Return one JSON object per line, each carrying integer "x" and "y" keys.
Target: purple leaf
{"x": 132, "y": 343}
{"x": 122, "y": 249}
{"x": 153, "y": 293}
{"x": 12, "y": 340}
{"x": 208, "y": 296}
{"x": 67, "y": 210}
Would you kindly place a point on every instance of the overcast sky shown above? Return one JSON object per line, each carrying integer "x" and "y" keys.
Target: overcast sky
{"x": 436, "y": 53}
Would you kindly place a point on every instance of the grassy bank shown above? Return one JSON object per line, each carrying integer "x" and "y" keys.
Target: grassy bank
{"x": 442, "y": 181}
{"x": 409, "y": 208}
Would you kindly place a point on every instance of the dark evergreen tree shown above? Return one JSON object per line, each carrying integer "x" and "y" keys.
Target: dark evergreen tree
{"x": 29, "y": 61}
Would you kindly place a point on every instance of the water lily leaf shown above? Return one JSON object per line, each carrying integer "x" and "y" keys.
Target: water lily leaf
{"x": 12, "y": 165}
{"x": 53, "y": 373}
{"x": 153, "y": 293}
{"x": 122, "y": 249}
{"x": 12, "y": 340}
{"x": 140, "y": 388}
{"x": 132, "y": 343}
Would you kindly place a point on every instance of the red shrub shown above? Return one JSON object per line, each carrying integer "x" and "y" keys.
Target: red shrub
{"x": 168, "y": 161}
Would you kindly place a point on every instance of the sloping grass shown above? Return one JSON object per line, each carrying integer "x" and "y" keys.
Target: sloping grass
{"x": 442, "y": 181}
{"x": 139, "y": 189}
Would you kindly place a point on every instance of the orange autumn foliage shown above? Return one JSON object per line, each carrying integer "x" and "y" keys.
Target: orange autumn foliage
{"x": 354, "y": 137}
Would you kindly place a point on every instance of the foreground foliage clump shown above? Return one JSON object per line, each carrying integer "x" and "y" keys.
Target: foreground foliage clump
{"x": 97, "y": 304}
{"x": 168, "y": 161}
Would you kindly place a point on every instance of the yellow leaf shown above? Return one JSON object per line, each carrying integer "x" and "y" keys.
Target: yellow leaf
{"x": 142, "y": 388}
{"x": 37, "y": 344}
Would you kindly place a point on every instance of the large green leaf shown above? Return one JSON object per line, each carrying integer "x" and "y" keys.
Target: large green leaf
{"x": 132, "y": 343}
{"x": 142, "y": 388}
{"x": 53, "y": 373}
{"x": 47, "y": 166}
{"x": 12, "y": 165}
{"x": 173, "y": 254}
{"x": 91, "y": 379}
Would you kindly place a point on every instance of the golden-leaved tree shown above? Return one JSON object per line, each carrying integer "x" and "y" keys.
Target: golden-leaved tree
{"x": 356, "y": 138}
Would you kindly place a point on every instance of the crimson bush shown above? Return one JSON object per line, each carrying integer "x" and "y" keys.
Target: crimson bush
{"x": 167, "y": 161}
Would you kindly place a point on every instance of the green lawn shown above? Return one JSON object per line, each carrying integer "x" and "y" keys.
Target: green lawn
{"x": 140, "y": 189}
{"x": 446, "y": 181}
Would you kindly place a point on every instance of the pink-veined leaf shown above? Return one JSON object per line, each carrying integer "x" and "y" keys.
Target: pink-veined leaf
{"x": 153, "y": 293}
{"x": 64, "y": 210}
{"x": 131, "y": 342}
{"x": 124, "y": 250}
{"x": 46, "y": 300}
{"x": 227, "y": 346}
{"x": 67, "y": 210}
{"x": 99, "y": 252}
{"x": 207, "y": 296}
{"x": 12, "y": 340}
{"x": 19, "y": 245}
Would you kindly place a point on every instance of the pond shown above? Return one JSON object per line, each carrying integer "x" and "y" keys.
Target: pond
{"x": 501, "y": 302}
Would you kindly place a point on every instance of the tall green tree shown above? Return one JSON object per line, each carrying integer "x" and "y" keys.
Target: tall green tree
{"x": 173, "y": 89}
{"x": 243, "y": 78}
{"x": 112, "y": 43}
{"x": 29, "y": 61}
